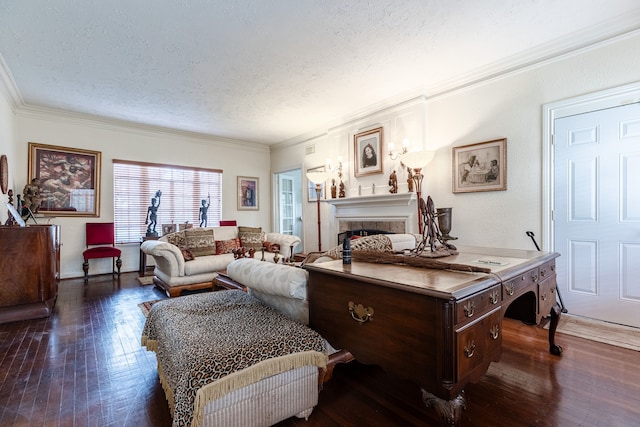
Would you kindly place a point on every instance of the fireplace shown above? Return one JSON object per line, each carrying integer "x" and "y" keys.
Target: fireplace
{"x": 394, "y": 213}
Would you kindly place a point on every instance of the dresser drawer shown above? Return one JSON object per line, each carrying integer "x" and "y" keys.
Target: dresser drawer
{"x": 547, "y": 289}
{"x": 547, "y": 269}
{"x": 477, "y": 340}
{"x": 476, "y": 305}
{"x": 512, "y": 289}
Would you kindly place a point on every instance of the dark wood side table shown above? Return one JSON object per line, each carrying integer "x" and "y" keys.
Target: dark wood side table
{"x": 142, "y": 270}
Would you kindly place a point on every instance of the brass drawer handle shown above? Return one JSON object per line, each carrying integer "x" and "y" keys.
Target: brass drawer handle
{"x": 494, "y": 332}
{"x": 469, "y": 308}
{"x": 359, "y": 313}
{"x": 510, "y": 288}
{"x": 543, "y": 297}
{"x": 494, "y": 297}
{"x": 470, "y": 349}
{"x": 534, "y": 277}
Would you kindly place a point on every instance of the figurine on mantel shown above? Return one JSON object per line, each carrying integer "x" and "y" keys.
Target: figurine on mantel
{"x": 333, "y": 188}
{"x": 410, "y": 180}
{"x": 393, "y": 183}
{"x": 341, "y": 193}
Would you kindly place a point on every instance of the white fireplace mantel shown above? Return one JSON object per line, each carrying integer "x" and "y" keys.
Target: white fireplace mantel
{"x": 398, "y": 199}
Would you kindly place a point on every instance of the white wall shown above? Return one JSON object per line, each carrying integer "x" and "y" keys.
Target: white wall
{"x": 118, "y": 141}
{"x": 506, "y": 107}
{"x": 7, "y": 148}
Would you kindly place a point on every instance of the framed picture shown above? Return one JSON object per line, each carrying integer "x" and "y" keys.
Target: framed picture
{"x": 367, "y": 152}
{"x": 247, "y": 193}
{"x": 312, "y": 195}
{"x": 480, "y": 167}
{"x": 69, "y": 179}
{"x": 168, "y": 229}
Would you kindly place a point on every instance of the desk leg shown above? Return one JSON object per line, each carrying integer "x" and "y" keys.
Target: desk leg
{"x": 554, "y": 348}
{"x": 450, "y": 411}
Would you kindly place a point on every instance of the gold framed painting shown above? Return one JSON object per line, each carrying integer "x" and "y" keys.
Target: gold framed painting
{"x": 69, "y": 179}
{"x": 367, "y": 152}
{"x": 480, "y": 167}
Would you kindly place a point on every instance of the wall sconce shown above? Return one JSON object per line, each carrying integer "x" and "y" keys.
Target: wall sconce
{"x": 318, "y": 178}
{"x": 394, "y": 155}
{"x": 417, "y": 160}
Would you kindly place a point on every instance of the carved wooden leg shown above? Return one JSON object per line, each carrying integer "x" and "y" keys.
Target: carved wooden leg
{"x": 553, "y": 324}
{"x": 118, "y": 265}
{"x": 450, "y": 411}
{"x": 85, "y": 268}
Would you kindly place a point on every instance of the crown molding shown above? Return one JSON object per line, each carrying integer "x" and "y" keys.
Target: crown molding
{"x": 99, "y": 122}
{"x": 8, "y": 86}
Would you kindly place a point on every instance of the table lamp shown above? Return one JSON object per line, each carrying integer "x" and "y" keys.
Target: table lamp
{"x": 417, "y": 160}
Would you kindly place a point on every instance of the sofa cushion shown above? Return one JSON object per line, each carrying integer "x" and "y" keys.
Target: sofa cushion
{"x": 200, "y": 241}
{"x": 251, "y": 237}
{"x": 207, "y": 264}
{"x": 176, "y": 238}
{"x": 186, "y": 254}
{"x": 227, "y": 246}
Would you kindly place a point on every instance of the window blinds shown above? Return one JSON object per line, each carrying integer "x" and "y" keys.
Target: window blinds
{"x": 183, "y": 189}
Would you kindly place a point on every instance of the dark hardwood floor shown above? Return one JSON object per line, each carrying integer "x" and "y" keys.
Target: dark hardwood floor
{"x": 84, "y": 366}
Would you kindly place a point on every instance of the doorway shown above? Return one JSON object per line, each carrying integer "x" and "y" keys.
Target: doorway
{"x": 595, "y": 216}
{"x": 288, "y": 209}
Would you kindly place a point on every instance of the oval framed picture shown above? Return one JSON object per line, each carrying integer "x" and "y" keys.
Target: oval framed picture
{"x": 4, "y": 174}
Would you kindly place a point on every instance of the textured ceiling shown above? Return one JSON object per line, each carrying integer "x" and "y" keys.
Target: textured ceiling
{"x": 271, "y": 70}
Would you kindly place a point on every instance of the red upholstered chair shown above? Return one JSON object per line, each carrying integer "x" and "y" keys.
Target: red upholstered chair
{"x": 100, "y": 235}
{"x": 229, "y": 222}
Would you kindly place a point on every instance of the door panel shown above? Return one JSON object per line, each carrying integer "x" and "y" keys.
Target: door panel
{"x": 597, "y": 213}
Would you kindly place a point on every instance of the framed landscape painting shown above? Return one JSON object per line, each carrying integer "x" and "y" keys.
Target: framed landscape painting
{"x": 69, "y": 179}
{"x": 480, "y": 167}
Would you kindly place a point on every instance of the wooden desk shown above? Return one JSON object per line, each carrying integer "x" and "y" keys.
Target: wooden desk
{"x": 440, "y": 328}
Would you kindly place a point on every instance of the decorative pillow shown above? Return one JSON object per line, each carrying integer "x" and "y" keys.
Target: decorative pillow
{"x": 227, "y": 246}
{"x": 375, "y": 242}
{"x": 186, "y": 254}
{"x": 176, "y": 238}
{"x": 200, "y": 241}
{"x": 251, "y": 237}
{"x": 271, "y": 247}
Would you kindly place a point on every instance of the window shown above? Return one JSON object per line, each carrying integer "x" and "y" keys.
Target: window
{"x": 183, "y": 190}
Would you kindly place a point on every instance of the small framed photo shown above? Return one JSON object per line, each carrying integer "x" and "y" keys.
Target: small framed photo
{"x": 367, "y": 154}
{"x": 68, "y": 179}
{"x": 248, "y": 193}
{"x": 480, "y": 167}
{"x": 312, "y": 195}
{"x": 168, "y": 229}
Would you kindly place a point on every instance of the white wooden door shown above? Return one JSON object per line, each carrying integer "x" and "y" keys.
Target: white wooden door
{"x": 597, "y": 213}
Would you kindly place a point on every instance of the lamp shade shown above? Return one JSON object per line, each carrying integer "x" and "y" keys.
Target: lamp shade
{"x": 417, "y": 159}
{"x": 317, "y": 177}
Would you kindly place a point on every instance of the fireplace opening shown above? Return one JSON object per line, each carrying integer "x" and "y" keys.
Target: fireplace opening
{"x": 368, "y": 228}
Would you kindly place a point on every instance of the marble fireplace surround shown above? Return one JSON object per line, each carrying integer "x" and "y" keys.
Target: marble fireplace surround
{"x": 396, "y": 213}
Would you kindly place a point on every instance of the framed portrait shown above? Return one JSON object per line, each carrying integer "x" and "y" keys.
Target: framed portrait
{"x": 312, "y": 196}
{"x": 69, "y": 179}
{"x": 367, "y": 152}
{"x": 247, "y": 193}
{"x": 480, "y": 167}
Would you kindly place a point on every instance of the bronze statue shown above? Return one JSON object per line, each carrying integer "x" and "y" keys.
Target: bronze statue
{"x": 341, "y": 193}
{"x": 203, "y": 211}
{"x": 152, "y": 215}
{"x": 333, "y": 188}
{"x": 32, "y": 196}
{"x": 410, "y": 180}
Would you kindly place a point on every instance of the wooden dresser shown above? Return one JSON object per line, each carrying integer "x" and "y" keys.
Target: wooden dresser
{"x": 439, "y": 328}
{"x": 30, "y": 265}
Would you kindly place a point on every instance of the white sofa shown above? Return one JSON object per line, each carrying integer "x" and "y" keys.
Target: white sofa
{"x": 187, "y": 260}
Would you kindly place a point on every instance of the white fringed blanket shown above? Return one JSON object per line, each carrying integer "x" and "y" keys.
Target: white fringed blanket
{"x": 219, "y": 342}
